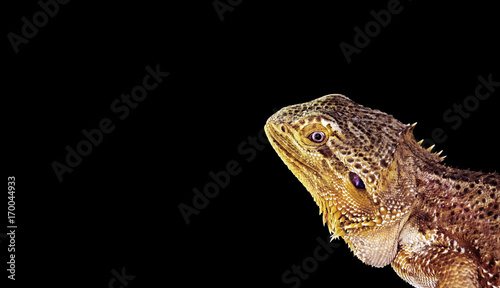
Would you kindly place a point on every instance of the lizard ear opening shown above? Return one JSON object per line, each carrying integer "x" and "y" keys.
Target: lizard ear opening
{"x": 356, "y": 180}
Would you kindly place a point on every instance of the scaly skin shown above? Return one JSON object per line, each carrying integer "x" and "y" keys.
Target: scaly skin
{"x": 437, "y": 226}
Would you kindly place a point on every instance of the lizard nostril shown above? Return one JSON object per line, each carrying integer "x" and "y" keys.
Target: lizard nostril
{"x": 283, "y": 129}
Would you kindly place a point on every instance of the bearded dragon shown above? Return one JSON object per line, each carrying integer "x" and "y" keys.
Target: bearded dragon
{"x": 390, "y": 199}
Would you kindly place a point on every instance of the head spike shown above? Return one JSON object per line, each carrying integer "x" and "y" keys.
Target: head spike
{"x": 439, "y": 153}
{"x": 431, "y": 147}
{"x": 411, "y": 126}
{"x": 420, "y": 142}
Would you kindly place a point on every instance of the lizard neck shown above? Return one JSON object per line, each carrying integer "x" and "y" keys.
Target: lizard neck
{"x": 447, "y": 183}
{"x": 434, "y": 179}
{"x": 458, "y": 209}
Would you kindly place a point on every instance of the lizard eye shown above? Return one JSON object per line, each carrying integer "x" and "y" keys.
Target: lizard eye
{"x": 356, "y": 180}
{"x": 317, "y": 136}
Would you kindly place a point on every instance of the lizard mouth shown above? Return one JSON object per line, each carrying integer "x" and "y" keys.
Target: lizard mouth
{"x": 337, "y": 214}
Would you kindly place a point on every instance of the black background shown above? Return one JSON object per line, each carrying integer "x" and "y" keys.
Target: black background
{"x": 120, "y": 206}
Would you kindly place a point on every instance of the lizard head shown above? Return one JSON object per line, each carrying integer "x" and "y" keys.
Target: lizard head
{"x": 347, "y": 157}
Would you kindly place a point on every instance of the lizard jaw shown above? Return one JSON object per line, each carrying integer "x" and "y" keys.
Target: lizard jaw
{"x": 337, "y": 214}
{"x": 340, "y": 220}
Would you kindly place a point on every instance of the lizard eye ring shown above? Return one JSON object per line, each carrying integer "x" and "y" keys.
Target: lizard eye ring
{"x": 317, "y": 136}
